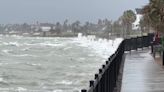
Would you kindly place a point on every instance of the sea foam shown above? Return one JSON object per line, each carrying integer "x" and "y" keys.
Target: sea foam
{"x": 102, "y": 47}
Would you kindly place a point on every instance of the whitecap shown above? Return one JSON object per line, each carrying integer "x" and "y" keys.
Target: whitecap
{"x": 36, "y": 64}
{"x": 1, "y": 64}
{"x": 91, "y": 55}
{"x": 73, "y": 66}
{"x": 82, "y": 58}
{"x": 33, "y": 64}
{"x": 51, "y": 44}
{"x": 4, "y": 64}
{"x": 102, "y": 47}
{"x": 25, "y": 49}
{"x": 1, "y": 79}
{"x": 1, "y": 35}
{"x": 65, "y": 82}
{"x": 6, "y": 89}
{"x": 14, "y": 44}
{"x": 67, "y": 48}
{"x": 6, "y": 51}
{"x": 77, "y": 74}
{"x": 24, "y": 55}
{"x": 58, "y": 90}
{"x": 21, "y": 89}
{"x": 11, "y": 44}
{"x": 17, "y": 36}
{"x": 29, "y": 44}
{"x": 44, "y": 44}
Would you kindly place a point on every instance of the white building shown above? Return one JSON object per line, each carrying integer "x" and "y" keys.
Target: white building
{"x": 136, "y": 24}
{"x": 45, "y": 29}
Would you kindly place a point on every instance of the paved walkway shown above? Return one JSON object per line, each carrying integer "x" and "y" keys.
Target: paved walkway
{"x": 142, "y": 73}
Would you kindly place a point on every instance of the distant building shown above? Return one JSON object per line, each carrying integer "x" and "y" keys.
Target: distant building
{"x": 45, "y": 29}
{"x": 138, "y": 11}
{"x": 136, "y": 24}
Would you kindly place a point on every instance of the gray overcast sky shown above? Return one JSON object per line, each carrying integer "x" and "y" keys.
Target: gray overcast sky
{"x": 19, "y": 11}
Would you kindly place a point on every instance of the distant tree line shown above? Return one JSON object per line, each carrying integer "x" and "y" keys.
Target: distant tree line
{"x": 103, "y": 28}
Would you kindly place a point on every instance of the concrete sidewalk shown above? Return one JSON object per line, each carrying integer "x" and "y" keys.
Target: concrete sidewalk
{"x": 142, "y": 74}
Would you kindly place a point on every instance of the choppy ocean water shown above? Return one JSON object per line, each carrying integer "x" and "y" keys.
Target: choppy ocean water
{"x": 36, "y": 64}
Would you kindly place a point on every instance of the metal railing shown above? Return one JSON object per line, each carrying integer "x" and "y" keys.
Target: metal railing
{"x": 138, "y": 42}
{"x": 106, "y": 79}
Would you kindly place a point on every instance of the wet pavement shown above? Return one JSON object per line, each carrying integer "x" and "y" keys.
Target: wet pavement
{"x": 142, "y": 74}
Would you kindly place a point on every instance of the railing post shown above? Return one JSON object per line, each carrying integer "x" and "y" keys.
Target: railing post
{"x": 96, "y": 76}
{"x": 83, "y": 90}
{"x": 107, "y": 77}
{"x": 91, "y": 83}
{"x": 130, "y": 42}
{"x": 152, "y": 49}
{"x": 100, "y": 81}
{"x": 136, "y": 44}
{"x": 142, "y": 41}
{"x": 97, "y": 80}
{"x": 163, "y": 58}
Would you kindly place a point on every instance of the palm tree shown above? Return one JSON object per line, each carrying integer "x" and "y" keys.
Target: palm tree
{"x": 86, "y": 28}
{"x": 58, "y": 28}
{"x": 128, "y": 18}
{"x": 146, "y": 18}
{"x": 76, "y": 27}
{"x": 65, "y": 25}
{"x": 154, "y": 14}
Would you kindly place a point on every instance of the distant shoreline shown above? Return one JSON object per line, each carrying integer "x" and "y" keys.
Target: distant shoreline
{"x": 40, "y": 35}
{"x": 48, "y": 34}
